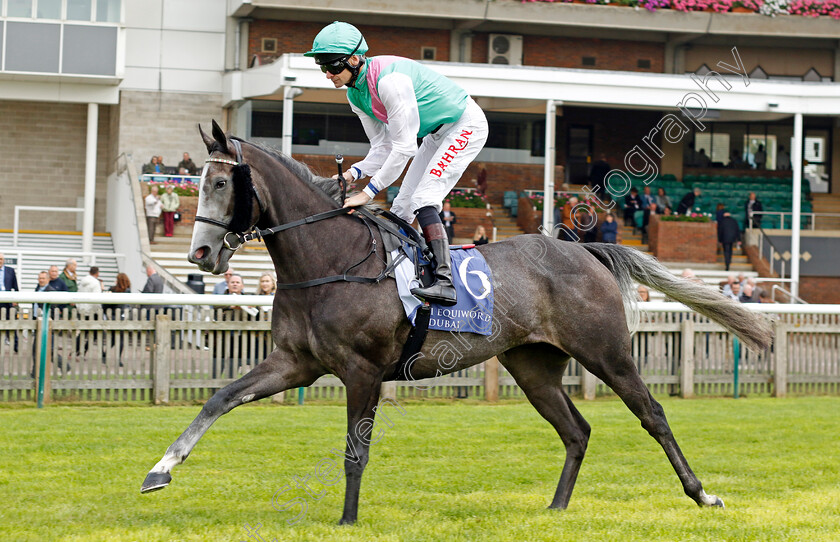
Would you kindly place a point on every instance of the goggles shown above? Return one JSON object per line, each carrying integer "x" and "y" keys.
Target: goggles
{"x": 340, "y": 64}
{"x": 335, "y": 67}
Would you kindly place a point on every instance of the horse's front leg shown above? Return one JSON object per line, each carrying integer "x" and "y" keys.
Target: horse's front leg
{"x": 278, "y": 372}
{"x": 362, "y": 398}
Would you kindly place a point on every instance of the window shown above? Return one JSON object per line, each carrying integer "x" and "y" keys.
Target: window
{"x": 428, "y": 53}
{"x": 20, "y": 8}
{"x": 49, "y": 9}
{"x": 269, "y": 45}
{"x": 752, "y": 144}
{"x": 107, "y": 11}
{"x": 78, "y": 10}
{"x": 643, "y": 63}
{"x": 588, "y": 61}
{"x": 715, "y": 145}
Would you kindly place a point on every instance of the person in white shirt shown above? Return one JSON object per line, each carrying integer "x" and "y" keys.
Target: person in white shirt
{"x": 153, "y": 210}
{"x": 89, "y": 284}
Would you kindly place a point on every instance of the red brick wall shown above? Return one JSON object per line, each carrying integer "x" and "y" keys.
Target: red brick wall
{"x": 694, "y": 242}
{"x": 563, "y": 52}
{"x": 560, "y": 52}
{"x": 296, "y": 37}
{"x": 820, "y": 289}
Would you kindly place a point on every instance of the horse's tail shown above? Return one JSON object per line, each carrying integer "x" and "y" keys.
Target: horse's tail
{"x": 627, "y": 264}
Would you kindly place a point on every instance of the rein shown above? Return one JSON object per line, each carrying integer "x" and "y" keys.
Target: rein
{"x": 255, "y": 233}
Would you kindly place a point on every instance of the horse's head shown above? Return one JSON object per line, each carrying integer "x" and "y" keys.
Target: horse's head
{"x": 226, "y": 203}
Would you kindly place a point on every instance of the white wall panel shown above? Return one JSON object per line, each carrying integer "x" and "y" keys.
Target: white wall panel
{"x": 202, "y": 15}
{"x": 142, "y": 48}
{"x": 140, "y": 79}
{"x": 191, "y": 81}
{"x": 143, "y": 13}
{"x": 193, "y": 50}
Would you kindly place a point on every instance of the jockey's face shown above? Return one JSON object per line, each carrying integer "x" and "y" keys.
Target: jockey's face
{"x": 344, "y": 77}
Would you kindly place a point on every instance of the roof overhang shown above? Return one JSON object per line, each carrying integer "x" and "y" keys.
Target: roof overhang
{"x": 574, "y": 87}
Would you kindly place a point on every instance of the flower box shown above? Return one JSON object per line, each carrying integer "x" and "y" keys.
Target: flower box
{"x": 681, "y": 241}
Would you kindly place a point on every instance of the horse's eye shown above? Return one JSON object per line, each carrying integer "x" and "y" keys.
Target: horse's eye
{"x": 220, "y": 184}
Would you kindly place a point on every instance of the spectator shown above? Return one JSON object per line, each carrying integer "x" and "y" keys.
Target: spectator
{"x": 760, "y": 157}
{"x": 748, "y": 295}
{"x": 186, "y": 166}
{"x": 632, "y": 203}
{"x": 702, "y": 159}
{"x": 448, "y": 218}
{"x": 236, "y": 286}
{"x": 56, "y": 283}
{"x": 480, "y": 236}
{"x": 152, "y": 167}
{"x": 89, "y": 284}
{"x": 481, "y": 181}
{"x": 154, "y": 284}
{"x": 644, "y": 293}
{"x": 170, "y": 203}
{"x": 8, "y": 283}
{"x": 598, "y": 175}
{"x": 122, "y": 286}
{"x": 662, "y": 201}
{"x": 728, "y": 234}
{"x": 719, "y": 210}
{"x": 735, "y": 293}
{"x": 68, "y": 275}
{"x": 736, "y": 161}
{"x": 117, "y": 311}
{"x": 569, "y": 232}
{"x": 609, "y": 230}
{"x": 689, "y": 156}
{"x": 782, "y": 159}
{"x": 43, "y": 286}
{"x": 267, "y": 286}
{"x": 221, "y": 287}
{"x": 757, "y": 291}
{"x": 688, "y": 274}
{"x": 726, "y": 288}
{"x": 153, "y": 210}
{"x": 753, "y": 206}
{"x": 688, "y": 201}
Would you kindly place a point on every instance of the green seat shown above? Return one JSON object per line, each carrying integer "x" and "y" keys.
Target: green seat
{"x": 639, "y": 219}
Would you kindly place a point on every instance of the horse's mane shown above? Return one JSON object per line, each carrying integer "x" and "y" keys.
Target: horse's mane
{"x": 327, "y": 185}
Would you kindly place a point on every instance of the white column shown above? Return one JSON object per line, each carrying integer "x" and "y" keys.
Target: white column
{"x": 289, "y": 94}
{"x": 548, "y": 174}
{"x": 90, "y": 177}
{"x": 796, "y": 166}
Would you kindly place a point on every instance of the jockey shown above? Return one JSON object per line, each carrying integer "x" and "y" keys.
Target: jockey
{"x": 398, "y": 101}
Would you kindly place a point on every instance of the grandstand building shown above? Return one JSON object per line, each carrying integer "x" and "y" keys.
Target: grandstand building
{"x": 92, "y": 89}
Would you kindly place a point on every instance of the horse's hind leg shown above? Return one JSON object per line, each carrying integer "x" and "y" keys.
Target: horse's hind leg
{"x": 278, "y": 372}
{"x": 612, "y": 364}
{"x": 538, "y": 369}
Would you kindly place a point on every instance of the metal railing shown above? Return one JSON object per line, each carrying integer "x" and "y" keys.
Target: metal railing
{"x": 19, "y": 208}
{"x": 812, "y": 222}
{"x": 160, "y": 177}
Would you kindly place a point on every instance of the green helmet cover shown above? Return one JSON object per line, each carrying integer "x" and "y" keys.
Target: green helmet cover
{"x": 338, "y": 38}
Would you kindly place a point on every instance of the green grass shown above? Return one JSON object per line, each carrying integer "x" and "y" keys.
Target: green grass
{"x": 442, "y": 472}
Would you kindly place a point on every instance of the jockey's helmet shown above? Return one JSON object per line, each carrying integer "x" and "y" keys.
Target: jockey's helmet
{"x": 337, "y": 41}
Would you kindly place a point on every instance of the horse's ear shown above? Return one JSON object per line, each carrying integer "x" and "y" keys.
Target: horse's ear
{"x": 219, "y": 135}
{"x": 209, "y": 142}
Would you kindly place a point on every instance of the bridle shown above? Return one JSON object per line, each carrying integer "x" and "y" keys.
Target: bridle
{"x": 241, "y": 237}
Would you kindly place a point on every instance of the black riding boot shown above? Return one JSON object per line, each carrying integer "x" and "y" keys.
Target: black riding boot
{"x": 441, "y": 291}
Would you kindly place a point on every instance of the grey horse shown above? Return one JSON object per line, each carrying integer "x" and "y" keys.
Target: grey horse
{"x": 554, "y": 300}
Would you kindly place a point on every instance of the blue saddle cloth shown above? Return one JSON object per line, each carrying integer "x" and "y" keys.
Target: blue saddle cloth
{"x": 473, "y": 282}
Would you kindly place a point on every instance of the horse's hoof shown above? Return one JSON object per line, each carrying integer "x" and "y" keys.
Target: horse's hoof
{"x": 155, "y": 481}
{"x": 346, "y": 521}
{"x": 719, "y": 502}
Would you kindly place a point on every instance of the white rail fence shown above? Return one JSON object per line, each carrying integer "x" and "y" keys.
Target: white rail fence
{"x": 162, "y": 348}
